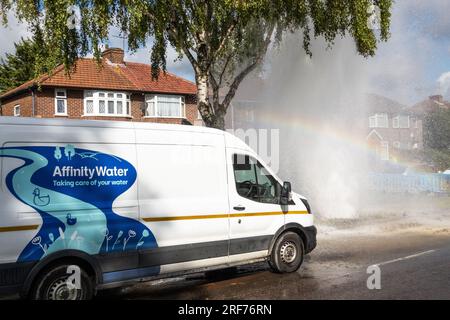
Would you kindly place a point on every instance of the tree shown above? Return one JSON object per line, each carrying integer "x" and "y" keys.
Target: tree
{"x": 23, "y": 65}
{"x": 437, "y": 138}
{"x": 224, "y": 40}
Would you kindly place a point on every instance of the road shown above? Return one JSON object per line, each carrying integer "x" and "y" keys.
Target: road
{"x": 414, "y": 260}
{"x": 414, "y": 264}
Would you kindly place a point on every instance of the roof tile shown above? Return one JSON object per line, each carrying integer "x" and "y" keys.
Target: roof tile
{"x": 88, "y": 74}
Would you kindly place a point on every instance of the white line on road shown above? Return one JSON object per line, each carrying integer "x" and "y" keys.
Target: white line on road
{"x": 405, "y": 258}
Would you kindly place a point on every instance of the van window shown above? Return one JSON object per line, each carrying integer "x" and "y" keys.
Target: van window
{"x": 253, "y": 181}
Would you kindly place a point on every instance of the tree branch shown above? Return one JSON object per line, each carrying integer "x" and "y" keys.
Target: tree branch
{"x": 225, "y": 38}
{"x": 241, "y": 76}
{"x": 224, "y": 69}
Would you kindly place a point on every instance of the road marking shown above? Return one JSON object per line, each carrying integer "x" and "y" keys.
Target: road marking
{"x": 405, "y": 258}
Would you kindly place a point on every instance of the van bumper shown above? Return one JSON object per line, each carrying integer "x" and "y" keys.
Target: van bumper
{"x": 311, "y": 238}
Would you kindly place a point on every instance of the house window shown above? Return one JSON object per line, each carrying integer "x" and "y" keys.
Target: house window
{"x": 164, "y": 106}
{"x": 17, "y": 111}
{"x": 400, "y": 122}
{"x": 379, "y": 120}
{"x": 249, "y": 115}
{"x": 396, "y": 122}
{"x": 404, "y": 122}
{"x": 61, "y": 102}
{"x": 98, "y": 103}
{"x": 372, "y": 122}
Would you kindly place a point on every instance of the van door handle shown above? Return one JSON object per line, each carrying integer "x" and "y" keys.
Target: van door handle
{"x": 239, "y": 208}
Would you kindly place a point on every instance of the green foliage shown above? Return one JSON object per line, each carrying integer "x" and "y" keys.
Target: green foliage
{"x": 438, "y": 158}
{"x": 23, "y": 65}
{"x": 224, "y": 40}
{"x": 437, "y": 129}
{"x": 437, "y": 138}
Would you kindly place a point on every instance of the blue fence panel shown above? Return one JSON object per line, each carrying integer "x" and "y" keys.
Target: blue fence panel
{"x": 411, "y": 183}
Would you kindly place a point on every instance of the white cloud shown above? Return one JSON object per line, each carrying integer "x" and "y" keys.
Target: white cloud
{"x": 12, "y": 33}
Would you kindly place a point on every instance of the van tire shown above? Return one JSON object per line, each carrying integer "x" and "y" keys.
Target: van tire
{"x": 51, "y": 285}
{"x": 287, "y": 253}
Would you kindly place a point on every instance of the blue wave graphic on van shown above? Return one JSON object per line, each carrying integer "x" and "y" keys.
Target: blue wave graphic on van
{"x": 73, "y": 190}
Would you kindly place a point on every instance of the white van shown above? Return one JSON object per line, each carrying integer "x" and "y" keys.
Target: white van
{"x": 89, "y": 205}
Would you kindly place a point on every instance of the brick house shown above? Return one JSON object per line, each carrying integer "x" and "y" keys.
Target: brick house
{"x": 433, "y": 103}
{"x": 114, "y": 90}
{"x": 393, "y": 130}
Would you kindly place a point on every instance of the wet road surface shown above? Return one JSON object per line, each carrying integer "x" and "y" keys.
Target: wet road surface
{"x": 414, "y": 264}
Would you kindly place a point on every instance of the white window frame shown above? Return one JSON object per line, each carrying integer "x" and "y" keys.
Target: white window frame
{"x": 17, "y": 107}
{"x": 95, "y": 96}
{"x": 154, "y": 97}
{"x": 372, "y": 121}
{"x": 407, "y": 126}
{"x": 375, "y": 120}
{"x": 384, "y": 147}
{"x": 396, "y": 122}
{"x": 63, "y": 98}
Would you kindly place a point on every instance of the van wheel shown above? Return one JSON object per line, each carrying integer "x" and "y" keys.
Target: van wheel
{"x": 287, "y": 253}
{"x": 53, "y": 284}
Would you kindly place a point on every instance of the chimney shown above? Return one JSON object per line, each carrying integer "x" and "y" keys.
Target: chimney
{"x": 114, "y": 55}
{"x": 437, "y": 98}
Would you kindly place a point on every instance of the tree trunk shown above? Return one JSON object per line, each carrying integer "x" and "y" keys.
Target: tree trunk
{"x": 212, "y": 118}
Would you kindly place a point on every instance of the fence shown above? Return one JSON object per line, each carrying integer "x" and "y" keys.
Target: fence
{"x": 412, "y": 183}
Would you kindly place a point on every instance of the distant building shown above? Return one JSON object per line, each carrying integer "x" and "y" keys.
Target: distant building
{"x": 433, "y": 103}
{"x": 114, "y": 90}
{"x": 392, "y": 128}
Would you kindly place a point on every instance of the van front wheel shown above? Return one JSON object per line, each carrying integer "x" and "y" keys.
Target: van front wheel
{"x": 54, "y": 284}
{"x": 287, "y": 253}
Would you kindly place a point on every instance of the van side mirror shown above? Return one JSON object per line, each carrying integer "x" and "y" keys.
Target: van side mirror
{"x": 286, "y": 196}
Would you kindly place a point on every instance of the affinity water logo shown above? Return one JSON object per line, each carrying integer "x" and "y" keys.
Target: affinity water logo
{"x": 73, "y": 191}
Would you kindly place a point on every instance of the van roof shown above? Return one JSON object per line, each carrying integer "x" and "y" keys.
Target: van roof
{"x": 25, "y": 121}
{"x": 232, "y": 140}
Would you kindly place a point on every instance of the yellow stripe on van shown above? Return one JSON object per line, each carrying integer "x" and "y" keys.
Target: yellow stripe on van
{"x": 19, "y": 228}
{"x": 221, "y": 216}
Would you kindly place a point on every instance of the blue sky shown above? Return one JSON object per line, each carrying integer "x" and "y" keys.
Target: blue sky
{"x": 412, "y": 65}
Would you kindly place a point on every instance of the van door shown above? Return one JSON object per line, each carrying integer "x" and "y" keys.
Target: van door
{"x": 183, "y": 198}
{"x": 256, "y": 214}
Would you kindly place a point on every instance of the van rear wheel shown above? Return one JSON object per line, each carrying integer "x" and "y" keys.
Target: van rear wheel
{"x": 287, "y": 253}
{"x": 54, "y": 284}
